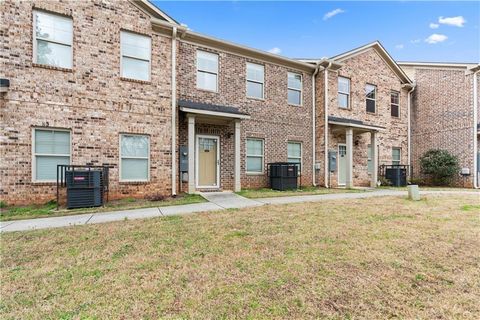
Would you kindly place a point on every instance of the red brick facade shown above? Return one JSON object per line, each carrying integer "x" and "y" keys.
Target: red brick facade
{"x": 96, "y": 105}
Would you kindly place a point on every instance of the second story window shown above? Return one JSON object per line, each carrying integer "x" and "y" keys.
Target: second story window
{"x": 255, "y": 80}
{"x": 295, "y": 89}
{"x": 136, "y": 56}
{"x": 343, "y": 93}
{"x": 207, "y": 71}
{"x": 395, "y": 104}
{"x": 53, "y": 38}
{"x": 371, "y": 96}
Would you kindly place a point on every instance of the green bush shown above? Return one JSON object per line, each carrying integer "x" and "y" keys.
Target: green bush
{"x": 439, "y": 165}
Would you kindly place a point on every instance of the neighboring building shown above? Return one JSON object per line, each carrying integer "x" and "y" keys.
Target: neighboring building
{"x": 443, "y": 115}
{"x": 169, "y": 110}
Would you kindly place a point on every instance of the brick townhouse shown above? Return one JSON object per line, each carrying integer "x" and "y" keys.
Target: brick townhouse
{"x": 122, "y": 84}
{"x": 445, "y": 115}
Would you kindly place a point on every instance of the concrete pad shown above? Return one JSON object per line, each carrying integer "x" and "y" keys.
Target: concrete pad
{"x": 189, "y": 208}
{"x": 229, "y": 200}
{"x": 127, "y": 214}
{"x": 44, "y": 223}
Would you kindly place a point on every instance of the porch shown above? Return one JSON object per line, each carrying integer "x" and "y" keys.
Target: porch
{"x": 349, "y": 128}
{"x": 209, "y": 146}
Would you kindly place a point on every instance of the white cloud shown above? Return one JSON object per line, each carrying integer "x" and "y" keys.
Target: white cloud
{"x": 416, "y": 41}
{"x": 436, "y": 38}
{"x": 434, "y": 25}
{"x": 399, "y": 46}
{"x": 275, "y": 50}
{"x": 332, "y": 13}
{"x": 457, "y": 21}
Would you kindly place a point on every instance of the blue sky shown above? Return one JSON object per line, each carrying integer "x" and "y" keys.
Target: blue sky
{"x": 410, "y": 31}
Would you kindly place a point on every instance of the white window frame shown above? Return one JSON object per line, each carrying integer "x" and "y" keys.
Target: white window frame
{"x": 135, "y": 58}
{"x": 295, "y": 89}
{"x": 209, "y": 72}
{"x": 399, "y": 156}
{"x": 34, "y": 154}
{"x": 255, "y": 81}
{"x": 35, "y": 38}
{"x": 395, "y": 104}
{"x": 369, "y": 158}
{"x": 344, "y": 93}
{"x": 374, "y": 100}
{"x": 143, "y": 158}
{"x": 262, "y": 156}
{"x": 301, "y": 154}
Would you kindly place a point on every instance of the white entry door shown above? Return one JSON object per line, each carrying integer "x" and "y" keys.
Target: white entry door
{"x": 208, "y": 161}
{"x": 342, "y": 164}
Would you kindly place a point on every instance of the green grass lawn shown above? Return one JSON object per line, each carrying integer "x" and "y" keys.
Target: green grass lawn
{"x": 267, "y": 193}
{"x": 49, "y": 209}
{"x": 373, "y": 258}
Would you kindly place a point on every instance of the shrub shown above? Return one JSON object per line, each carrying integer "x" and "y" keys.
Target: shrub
{"x": 440, "y": 165}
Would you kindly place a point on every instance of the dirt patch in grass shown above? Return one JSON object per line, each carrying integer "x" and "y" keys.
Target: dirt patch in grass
{"x": 268, "y": 193}
{"x": 50, "y": 208}
{"x": 371, "y": 258}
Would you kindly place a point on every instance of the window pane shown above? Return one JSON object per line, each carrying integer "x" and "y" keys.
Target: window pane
{"x": 254, "y": 90}
{"x": 343, "y": 85}
{"x": 135, "y": 69}
{"x": 371, "y": 106}
{"x": 135, "y": 45}
{"x": 53, "y": 27}
{"x": 54, "y": 54}
{"x": 46, "y": 167}
{"x": 294, "y": 81}
{"x": 255, "y": 147}
{"x": 294, "y": 97}
{"x": 207, "y": 61}
{"x": 294, "y": 150}
{"x": 394, "y": 97}
{"x": 255, "y": 72}
{"x": 254, "y": 164}
{"x": 134, "y": 169}
{"x": 370, "y": 91}
{"x": 396, "y": 154}
{"x": 343, "y": 100}
{"x": 52, "y": 142}
{"x": 135, "y": 146}
{"x": 207, "y": 81}
{"x": 395, "y": 111}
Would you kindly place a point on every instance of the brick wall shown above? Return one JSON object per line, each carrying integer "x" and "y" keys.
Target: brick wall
{"x": 271, "y": 119}
{"x": 367, "y": 67}
{"x": 442, "y": 116}
{"x": 91, "y": 100}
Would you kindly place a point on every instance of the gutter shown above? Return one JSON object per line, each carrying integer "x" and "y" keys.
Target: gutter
{"x": 409, "y": 128}
{"x": 174, "y": 111}
{"x": 314, "y": 131}
{"x": 325, "y": 128}
{"x": 475, "y": 121}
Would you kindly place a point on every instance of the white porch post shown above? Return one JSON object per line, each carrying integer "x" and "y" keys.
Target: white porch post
{"x": 237, "y": 169}
{"x": 191, "y": 154}
{"x": 349, "y": 175}
{"x": 374, "y": 155}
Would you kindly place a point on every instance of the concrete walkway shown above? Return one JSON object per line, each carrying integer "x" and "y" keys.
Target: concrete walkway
{"x": 218, "y": 201}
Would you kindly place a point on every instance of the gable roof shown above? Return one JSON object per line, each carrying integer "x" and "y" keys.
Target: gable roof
{"x": 377, "y": 46}
{"x": 154, "y": 11}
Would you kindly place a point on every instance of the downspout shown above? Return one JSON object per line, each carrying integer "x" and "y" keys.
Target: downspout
{"x": 325, "y": 128}
{"x": 475, "y": 121}
{"x": 409, "y": 126}
{"x": 314, "y": 132}
{"x": 174, "y": 111}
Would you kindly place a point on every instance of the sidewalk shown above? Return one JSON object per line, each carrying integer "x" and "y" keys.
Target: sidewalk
{"x": 218, "y": 201}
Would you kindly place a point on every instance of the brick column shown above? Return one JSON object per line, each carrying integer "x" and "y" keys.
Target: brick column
{"x": 191, "y": 154}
